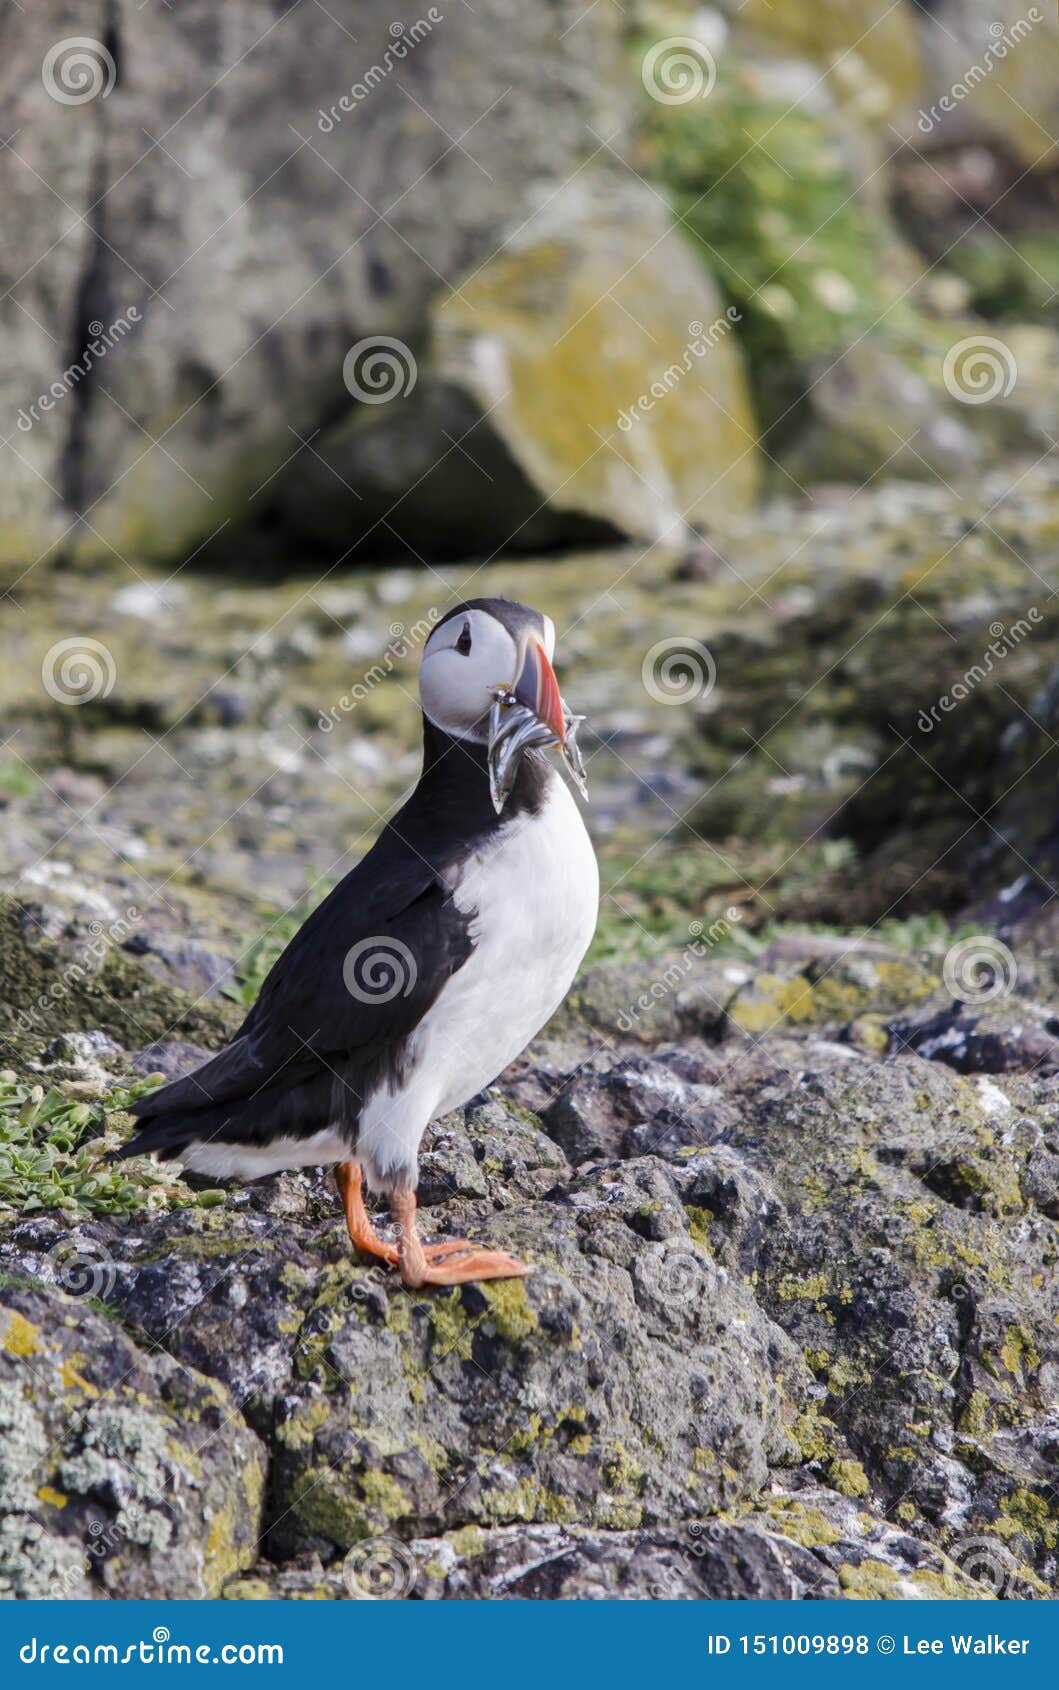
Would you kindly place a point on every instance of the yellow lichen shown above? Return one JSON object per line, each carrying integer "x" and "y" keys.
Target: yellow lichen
{"x": 21, "y": 1338}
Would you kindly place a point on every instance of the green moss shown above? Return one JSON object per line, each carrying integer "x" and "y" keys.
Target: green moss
{"x": 793, "y": 1288}
{"x": 299, "y": 1428}
{"x": 622, "y": 1473}
{"x": 527, "y": 1437}
{"x": 45, "y": 992}
{"x": 345, "y": 1505}
{"x": 1025, "y": 1513}
{"x": 1018, "y": 1354}
{"x": 451, "y": 1331}
{"x": 761, "y": 185}
{"x": 247, "y": 1590}
{"x": 807, "y": 1526}
{"x": 827, "y": 996}
{"x": 814, "y": 1435}
{"x": 510, "y": 1310}
{"x": 468, "y": 1541}
{"x": 848, "y": 1477}
{"x": 382, "y": 1492}
{"x": 21, "y": 1338}
{"x": 875, "y": 1581}
{"x": 699, "y": 1221}
{"x": 230, "y": 1547}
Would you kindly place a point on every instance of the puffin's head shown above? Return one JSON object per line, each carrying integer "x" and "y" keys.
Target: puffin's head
{"x": 487, "y": 677}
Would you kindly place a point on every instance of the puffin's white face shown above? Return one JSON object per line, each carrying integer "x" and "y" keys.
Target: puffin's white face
{"x": 465, "y": 659}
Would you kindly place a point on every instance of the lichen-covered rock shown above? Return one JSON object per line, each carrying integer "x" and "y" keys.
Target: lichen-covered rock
{"x": 809, "y": 1545}
{"x": 588, "y": 370}
{"x": 313, "y": 194}
{"x": 997, "y": 66}
{"x": 122, "y": 1473}
{"x": 790, "y": 1194}
{"x": 50, "y": 987}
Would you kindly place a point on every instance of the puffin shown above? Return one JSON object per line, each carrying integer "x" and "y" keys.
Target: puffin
{"x": 428, "y": 968}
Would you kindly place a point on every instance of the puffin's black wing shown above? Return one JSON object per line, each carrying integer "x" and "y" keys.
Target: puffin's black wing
{"x": 332, "y": 1015}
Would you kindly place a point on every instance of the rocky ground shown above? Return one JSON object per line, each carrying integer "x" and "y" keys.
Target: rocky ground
{"x": 785, "y": 1165}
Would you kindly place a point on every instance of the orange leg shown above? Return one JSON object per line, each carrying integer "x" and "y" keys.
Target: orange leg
{"x": 363, "y": 1234}
{"x": 457, "y": 1262}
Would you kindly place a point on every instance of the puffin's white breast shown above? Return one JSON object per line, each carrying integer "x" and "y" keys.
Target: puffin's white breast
{"x": 533, "y": 893}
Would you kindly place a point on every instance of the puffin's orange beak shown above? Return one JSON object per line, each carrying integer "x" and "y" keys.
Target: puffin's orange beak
{"x": 537, "y": 688}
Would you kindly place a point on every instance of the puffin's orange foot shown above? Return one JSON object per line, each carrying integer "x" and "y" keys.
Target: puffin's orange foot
{"x": 358, "y": 1222}
{"x": 377, "y": 1247}
{"x": 455, "y": 1262}
{"x": 474, "y": 1264}
{"x": 451, "y": 1247}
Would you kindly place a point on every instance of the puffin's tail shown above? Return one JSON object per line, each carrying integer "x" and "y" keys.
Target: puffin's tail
{"x": 230, "y": 1100}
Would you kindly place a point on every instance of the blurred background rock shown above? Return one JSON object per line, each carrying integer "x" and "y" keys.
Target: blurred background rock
{"x": 509, "y": 200}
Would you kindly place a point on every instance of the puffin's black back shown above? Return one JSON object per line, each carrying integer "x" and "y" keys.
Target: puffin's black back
{"x": 309, "y": 1052}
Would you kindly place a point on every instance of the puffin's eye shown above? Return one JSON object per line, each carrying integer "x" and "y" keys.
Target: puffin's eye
{"x": 463, "y": 644}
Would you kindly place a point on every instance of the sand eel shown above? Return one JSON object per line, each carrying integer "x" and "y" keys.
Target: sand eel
{"x": 428, "y": 968}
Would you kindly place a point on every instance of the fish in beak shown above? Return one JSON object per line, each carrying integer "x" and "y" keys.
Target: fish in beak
{"x": 530, "y": 713}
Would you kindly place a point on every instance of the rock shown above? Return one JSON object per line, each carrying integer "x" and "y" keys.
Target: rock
{"x": 872, "y": 413}
{"x": 50, "y": 988}
{"x": 1011, "y": 1038}
{"x": 634, "y": 1109}
{"x": 829, "y": 991}
{"x": 873, "y": 62}
{"x": 675, "y": 992}
{"x": 534, "y": 468}
{"x": 701, "y": 562}
{"x": 172, "y": 1058}
{"x": 125, "y": 1474}
{"x": 311, "y": 196}
{"x": 789, "y": 1333}
{"x": 1010, "y": 94}
{"x": 807, "y": 1546}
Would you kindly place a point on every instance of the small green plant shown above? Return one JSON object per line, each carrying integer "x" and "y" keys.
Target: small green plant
{"x": 16, "y": 780}
{"x": 52, "y": 1150}
{"x": 762, "y": 188}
